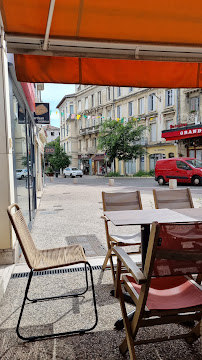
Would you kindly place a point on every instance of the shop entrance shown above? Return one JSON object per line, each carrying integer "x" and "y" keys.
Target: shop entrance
{"x": 153, "y": 159}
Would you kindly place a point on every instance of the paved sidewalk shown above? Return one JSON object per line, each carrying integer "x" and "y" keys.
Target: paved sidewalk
{"x": 68, "y": 210}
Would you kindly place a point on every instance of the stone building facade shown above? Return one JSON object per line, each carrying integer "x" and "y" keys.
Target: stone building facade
{"x": 160, "y": 110}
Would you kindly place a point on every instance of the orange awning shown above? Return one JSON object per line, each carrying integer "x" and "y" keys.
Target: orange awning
{"x": 154, "y": 44}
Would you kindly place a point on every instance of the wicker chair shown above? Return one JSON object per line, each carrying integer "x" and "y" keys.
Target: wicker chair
{"x": 115, "y": 202}
{"x": 39, "y": 260}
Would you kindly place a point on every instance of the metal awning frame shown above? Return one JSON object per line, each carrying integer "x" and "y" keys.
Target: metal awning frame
{"x": 100, "y": 49}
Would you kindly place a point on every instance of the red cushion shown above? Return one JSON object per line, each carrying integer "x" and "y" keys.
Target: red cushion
{"x": 170, "y": 293}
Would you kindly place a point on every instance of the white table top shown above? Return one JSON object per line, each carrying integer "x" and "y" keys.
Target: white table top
{"x": 146, "y": 217}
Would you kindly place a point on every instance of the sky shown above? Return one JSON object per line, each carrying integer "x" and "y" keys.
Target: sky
{"x": 53, "y": 94}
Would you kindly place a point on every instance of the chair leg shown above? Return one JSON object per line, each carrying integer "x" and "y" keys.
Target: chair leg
{"x": 195, "y": 333}
{"x": 81, "y": 331}
{"x": 128, "y": 343}
{"x": 109, "y": 257}
{"x": 106, "y": 259}
{"x": 62, "y": 296}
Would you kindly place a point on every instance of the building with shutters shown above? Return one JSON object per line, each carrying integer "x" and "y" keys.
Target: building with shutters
{"x": 160, "y": 110}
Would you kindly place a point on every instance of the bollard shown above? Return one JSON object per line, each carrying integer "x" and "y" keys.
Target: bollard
{"x": 111, "y": 182}
{"x": 173, "y": 184}
{"x": 75, "y": 181}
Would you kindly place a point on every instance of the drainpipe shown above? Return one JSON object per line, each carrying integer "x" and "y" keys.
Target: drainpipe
{"x": 178, "y": 107}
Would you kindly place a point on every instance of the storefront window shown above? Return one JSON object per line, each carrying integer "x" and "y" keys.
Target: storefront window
{"x": 23, "y": 160}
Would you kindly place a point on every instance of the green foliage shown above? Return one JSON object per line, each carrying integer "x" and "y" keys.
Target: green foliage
{"x": 141, "y": 173}
{"x": 113, "y": 174}
{"x": 24, "y": 161}
{"x": 120, "y": 140}
{"x": 49, "y": 170}
{"x": 60, "y": 159}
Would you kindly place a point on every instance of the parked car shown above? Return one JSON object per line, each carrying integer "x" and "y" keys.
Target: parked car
{"x": 185, "y": 170}
{"x": 21, "y": 173}
{"x": 72, "y": 172}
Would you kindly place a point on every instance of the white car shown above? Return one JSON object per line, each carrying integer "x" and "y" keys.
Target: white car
{"x": 21, "y": 173}
{"x": 72, "y": 172}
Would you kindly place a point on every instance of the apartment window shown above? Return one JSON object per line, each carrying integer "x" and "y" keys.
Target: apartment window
{"x": 94, "y": 120}
{"x": 141, "y": 106}
{"x": 52, "y": 133}
{"x": 130, "y": 89}
{"x": 109, "y": 114}
{"x": 130, "y": 108}
{"x": 109, "y": 93}
{"x": 64, "y": 147}
{"x": 87, "y": 144}
{"x": 86, "y": 103}
{"x": 118, "y": 91}
{"x": 67, "y": 129}
{"x": 168, "y": 123}
{"x": 153, "y": 132}
{"x": 170, "y": 97}
{"x": 151, "y": 102}
{"x": 64, "y": 131}
{"x": 87, "y": 122}
{"x": 99, "y": 98}
{"x": 119, "y": 111}
{"x": 95, "y": 143}
{"x": 92, "y": 100}
{"x": 79, "y": 145}
{"x": 79, "y": 106}
{"x": 194, "y": 104}
{"x": 71, "y": 109}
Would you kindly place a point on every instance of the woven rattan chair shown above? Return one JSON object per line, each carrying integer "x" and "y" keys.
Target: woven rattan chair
{"x": 173, "y": 199}
{"x": 163, "y": 293}
{"x": 39, "y": 260}
{"x": 115, "y": 202}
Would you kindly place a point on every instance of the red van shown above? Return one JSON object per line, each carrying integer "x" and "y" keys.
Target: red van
{"x": 185, "y": 170}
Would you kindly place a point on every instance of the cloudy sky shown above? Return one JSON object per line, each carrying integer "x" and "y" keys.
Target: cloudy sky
{"x": 53, "y": 93}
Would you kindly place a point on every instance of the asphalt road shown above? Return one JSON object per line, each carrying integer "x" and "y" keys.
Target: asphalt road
{"x": 137, "y": 183}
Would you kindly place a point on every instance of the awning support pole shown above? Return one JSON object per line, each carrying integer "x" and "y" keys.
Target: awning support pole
{"x": 48, "y": 26}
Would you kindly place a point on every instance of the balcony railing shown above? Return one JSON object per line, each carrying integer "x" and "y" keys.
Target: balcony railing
{"x": 194, "y": 118}
{"x": 89, "y": 130}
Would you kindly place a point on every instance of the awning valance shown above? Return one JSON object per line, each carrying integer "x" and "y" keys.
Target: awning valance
{"x": 79, "y": 36}
{"x": 181, "y": 133}
{"x": 46, "y": 69}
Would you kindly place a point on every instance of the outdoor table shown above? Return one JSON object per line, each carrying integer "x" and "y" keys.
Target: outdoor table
{"x": 144, "y": 218}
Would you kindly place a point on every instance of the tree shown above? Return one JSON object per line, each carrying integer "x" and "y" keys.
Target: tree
{"x": 60, "y": 159}
{"x": 121, "y": 141}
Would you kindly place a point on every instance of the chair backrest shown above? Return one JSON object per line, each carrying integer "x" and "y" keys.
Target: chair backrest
{"x": 121, "y": 201}
{"x": 173, "y": 199}
{"x": 178, "y": 249}
{"x": 23, "y": 235}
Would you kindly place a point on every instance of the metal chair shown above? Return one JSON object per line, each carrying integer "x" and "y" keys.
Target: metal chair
{"x": 115, "y": 202}
{"x": 39, "y": 260}
{"x": 163, "y": 293}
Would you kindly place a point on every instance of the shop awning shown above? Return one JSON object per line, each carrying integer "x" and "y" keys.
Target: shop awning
{"x": 98, "y": 157}
{"x": 114, "y": 42}
{"x": 180, "y": 133}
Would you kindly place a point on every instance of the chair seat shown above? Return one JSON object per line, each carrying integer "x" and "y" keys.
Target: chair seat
{"x": 64, "y": 256}
{"x": 130, "y": 239}
{"x": 170, "y": 293}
